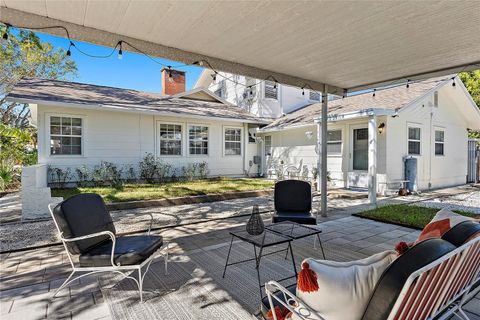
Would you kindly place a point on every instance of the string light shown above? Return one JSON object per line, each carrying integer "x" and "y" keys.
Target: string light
{"x": 170, "y": 76}
{"x": 200, "y": 62}
{"x": 120, "y": 50}
{"x": 69, "y": 52}
{"x": 275, "y": 85}
{"x": 214, "y": 77}
{"x": 251, "y": 91}
{"x": 5, "y": 33}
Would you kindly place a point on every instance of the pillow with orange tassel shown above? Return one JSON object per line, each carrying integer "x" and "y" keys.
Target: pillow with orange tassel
{"x": 339, "y": 290}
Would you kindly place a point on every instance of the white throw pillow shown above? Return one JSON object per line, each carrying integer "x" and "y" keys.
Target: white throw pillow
{"x": 344, "y": 287}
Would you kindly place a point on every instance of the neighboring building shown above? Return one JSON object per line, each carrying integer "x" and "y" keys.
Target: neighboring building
{"x": 428, "y": 121}
{"x": 263, "y": 98}
{"x": 82, "y": 124}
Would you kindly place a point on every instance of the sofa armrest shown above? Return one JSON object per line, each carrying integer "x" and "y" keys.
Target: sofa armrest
{"x": 286, "y": 299}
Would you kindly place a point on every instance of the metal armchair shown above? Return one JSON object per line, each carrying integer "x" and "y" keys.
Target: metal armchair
{"x": 86, "y": 230}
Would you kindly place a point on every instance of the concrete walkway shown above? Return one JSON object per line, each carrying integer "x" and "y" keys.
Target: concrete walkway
{"x": 28, "y": 279}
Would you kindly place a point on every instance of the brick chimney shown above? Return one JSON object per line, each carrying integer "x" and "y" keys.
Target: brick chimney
{"x": 173, "y": 81}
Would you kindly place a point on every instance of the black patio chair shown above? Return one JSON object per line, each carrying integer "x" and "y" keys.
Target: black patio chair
{"x": 87, "y": 231}
{"x": 293, "y": 202}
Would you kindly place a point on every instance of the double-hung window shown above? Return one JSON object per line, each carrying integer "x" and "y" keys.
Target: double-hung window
{"x": 198, "y": 140}
{"x": 414, "y": 140}
{"x": 66, "y": 135}
{"x": 170, "y": 139}
{"x": 268, "y": 145}
{"x": 233, "y": 141}
{"x": 334, "y": 142}
{"x": 439, "y": 142}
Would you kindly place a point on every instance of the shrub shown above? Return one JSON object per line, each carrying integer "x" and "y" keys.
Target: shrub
{"x": 6, "y": 177}
{"x": 83, "y": 176}
{"x": 189, "y": 171}
{"x": 59, "y": 177}
{"x": 130, "y": 174}
{"x": 148, "y": 168}
{"x": 108, "y": 174}
{"x": 203, "y": 169}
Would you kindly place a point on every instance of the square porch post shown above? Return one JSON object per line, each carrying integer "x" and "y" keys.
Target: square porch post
{"x": 372, "y": 160}
{"x": 322, "y": 149}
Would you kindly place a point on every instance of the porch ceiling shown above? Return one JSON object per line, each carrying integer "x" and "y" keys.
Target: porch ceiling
{"x": 352, "y": 45}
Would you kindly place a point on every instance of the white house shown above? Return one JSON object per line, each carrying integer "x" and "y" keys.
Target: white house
{"x": 428, "y": 120}
{"x": 266, "y": 99}
{"x": 82, "y": 124}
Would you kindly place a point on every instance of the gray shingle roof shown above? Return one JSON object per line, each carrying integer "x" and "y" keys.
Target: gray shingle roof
{"x": 87, "y": 94}
{"x": 392, "y": 98}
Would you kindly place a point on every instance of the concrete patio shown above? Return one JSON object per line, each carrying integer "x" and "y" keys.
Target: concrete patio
{"x": 29, "y": 278}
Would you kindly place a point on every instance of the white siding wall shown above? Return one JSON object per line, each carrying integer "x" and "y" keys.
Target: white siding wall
{"x": 292, "y": 145}
{"x": 433, "y": 171}
{"x": 124, "y": 138}
{"x": 289, "y": 98}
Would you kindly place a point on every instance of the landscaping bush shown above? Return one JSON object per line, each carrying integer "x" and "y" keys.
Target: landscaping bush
{"x": 148, "y": 168}
{"x": 58, "y": 178}
{"x": 107, "y": 174}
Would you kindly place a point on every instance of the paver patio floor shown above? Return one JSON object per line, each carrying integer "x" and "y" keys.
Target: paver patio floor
{"x": 29, "y": 278}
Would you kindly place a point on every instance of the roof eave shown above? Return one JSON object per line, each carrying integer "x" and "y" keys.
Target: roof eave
{"x": 136, "y": 109}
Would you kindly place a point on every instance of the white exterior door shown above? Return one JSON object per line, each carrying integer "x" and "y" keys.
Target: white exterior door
{"x": 358, "y": 173}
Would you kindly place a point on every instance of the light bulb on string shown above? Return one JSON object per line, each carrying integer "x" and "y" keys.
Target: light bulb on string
{"x": 120, "y": 53}
{"x": 453, "y": 82}
{"x": 408, "y": 84}
{"x": 303, "y": 91}
{"x": 374, "y": 91}
{"x": 5, "y": 33}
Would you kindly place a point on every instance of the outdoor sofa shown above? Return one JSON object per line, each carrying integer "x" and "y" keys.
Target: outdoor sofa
{"x": 430, "y": 280}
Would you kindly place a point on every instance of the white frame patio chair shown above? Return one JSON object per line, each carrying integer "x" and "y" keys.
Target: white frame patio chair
{"x": 101, "y": 250}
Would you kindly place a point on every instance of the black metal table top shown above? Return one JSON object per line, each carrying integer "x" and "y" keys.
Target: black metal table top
{"x": 265, "y": 239}
{"x": 292, "y": 229}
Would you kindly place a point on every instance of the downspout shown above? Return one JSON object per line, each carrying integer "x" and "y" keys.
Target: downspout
{"x": 245, "y": 142}
{"x": 430, "y": 150}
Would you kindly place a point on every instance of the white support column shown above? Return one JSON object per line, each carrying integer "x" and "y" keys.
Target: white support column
{"x": 372, "y": 160}
{"x": 323, "y": 182}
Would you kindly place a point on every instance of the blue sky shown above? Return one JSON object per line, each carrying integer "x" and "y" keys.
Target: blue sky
{"x": 133, "y": 71}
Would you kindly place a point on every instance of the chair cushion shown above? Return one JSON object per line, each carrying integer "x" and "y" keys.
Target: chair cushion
{"x": 462, "y": 232}
{"x": 293, "y": 195}
{"x": 393, "y": 279}
{"x": 344, "y": 288}
{"x": 265, "y": 306}
{"x": 81, "y": 215}
{"x": 129, "y": 250}
{"x": 299, "y": 217}
{"x": 443, "y": 221}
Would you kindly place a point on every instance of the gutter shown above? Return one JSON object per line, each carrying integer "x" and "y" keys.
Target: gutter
{"x": 135, "y": 110}
{"x": 338, "y": 117}
{"x": 359, "y": 114}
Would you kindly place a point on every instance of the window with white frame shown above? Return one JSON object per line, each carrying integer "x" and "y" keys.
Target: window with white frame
{"x": 414, "y": 141}
{"x": 66, "y": 135}
{"x": 271, "y": 90}
{"x": 170, "y": 139}
{"x": 233, "y": 141}
{"x": 268, "y": 145}
{"x": 439, "y": 142}
{"x": 314, "y": 95}
{"x": 198, "y": 140}
{"x": 334, "y": 142}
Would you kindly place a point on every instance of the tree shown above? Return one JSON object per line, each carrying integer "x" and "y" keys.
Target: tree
{"x": 25, "y": 55}
{"x": 471, "y": 80}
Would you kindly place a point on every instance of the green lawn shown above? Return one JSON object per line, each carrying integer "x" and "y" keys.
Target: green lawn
{"x": 409, "y": 215}
{"x": 132, "y": 192}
